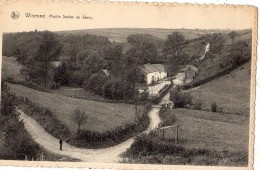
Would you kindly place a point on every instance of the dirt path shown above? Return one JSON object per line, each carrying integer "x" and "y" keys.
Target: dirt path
{"x": 107, "y": 155}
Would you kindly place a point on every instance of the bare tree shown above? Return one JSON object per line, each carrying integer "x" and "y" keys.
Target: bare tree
{"x": 80, "y": 118}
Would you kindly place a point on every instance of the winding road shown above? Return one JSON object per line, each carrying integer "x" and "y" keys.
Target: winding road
{"x": 107, "y": 155}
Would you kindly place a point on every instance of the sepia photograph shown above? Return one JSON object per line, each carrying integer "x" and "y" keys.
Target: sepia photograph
{"x": 179, "y": 93}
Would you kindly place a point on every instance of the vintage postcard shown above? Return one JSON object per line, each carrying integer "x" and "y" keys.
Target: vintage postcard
{"x": 127, "y": 85}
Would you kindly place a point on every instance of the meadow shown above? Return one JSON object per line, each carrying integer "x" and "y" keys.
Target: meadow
{"x": 212, "y": 131}
{"x": 230, "y": 92}
{"x": 205, "y": 138}
{"x": 101, "y": 116}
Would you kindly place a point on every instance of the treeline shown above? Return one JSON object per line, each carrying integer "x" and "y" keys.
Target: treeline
{"x": 83, "y": 57}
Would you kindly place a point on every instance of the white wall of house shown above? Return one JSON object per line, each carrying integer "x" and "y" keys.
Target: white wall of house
{"x": 155, "y": 76}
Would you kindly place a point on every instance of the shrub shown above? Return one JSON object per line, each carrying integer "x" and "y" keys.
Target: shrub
{"x": 167, "y": 118}
{"x": 95, "y": 83}
{"x": 214, "y": 107}
{"x": 180, "y": 99}
{"x": 198, "y": 105}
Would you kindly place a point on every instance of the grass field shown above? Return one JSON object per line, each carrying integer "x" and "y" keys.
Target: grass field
{"x": 102, "y": 116}
{"x": 212, "y": 131}
{"x": 231, "y": 92}
{"x": 11, "y": 69}
{"x": 79, "y": 93}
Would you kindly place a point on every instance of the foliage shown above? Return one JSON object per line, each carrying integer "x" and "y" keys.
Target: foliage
{"x": 44, "y": 117}
{"x": 80, "y": 118}
{"x": 117, "y": 89}
{"x": 76, "y": 77}
{"x": 167, "y": 118}
{"x": 94, "y": 139}
{"x": 240, "y": 52}
{"x": 180, "y": 99}
{"x": 61, "y": 75}
{"x": 17, "y": 141}
{"x": 143, "y": 53}
{"x": 137, "y": 39}
{"x": 38, "y": 67}
{"x": 216, "y": 41}
{"x": 95, "y": 83}
{"x": 174, "y": 41}
{"x": 214, "y": 107}
{"x": 148, "y": 149}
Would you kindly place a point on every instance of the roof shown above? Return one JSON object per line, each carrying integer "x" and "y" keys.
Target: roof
{"x": 106, "y": 72}
{"x": 151, "y": 68}
{"x": 186, "y": 67}
{"x": 56, "y": 63}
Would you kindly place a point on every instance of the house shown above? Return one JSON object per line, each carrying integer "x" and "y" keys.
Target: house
{"x": 153, "y": 72}
{"x": 56, "y": 63}
{"x": 190, "y": 72}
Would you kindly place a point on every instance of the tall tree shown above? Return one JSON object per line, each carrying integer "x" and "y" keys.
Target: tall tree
{"x": 61, "y": 75}
{"x": 174, "y": 42}
{"x": 216, "y": 41}
{"x": 48, "y": 50}
{"x": 142, "y": 49}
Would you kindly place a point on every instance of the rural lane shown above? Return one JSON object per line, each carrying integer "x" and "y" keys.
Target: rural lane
{"x": 106, "y": 155}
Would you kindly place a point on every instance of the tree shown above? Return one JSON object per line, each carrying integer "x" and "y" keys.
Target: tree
{"x": 93, "y": 63}
{"x": 61, "y": 75}
{"x": 240, "y": 52}
{"x": 80, "y": 118}
{"x": 216, "y": 43}
{"x": 17, "y": 142}
{"x": 142, "y": 50}
{"x": 174, "y": 41}
{"x": 114, "y": 59}
{"x": 133, "y": 76}
{"x": 179, "y": 98}
{"x": 233, "y": 35}
{"x": 39, "y": 65}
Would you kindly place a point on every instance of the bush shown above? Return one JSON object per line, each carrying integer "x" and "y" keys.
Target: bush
{"x": 214, "y": 107}
{"x": 167, "y": 118}
{"x": 180, "y": 99}
{"x": 76, "y": 78}
{"x": 198, "y": 105}
{"x": 95, "y": 83}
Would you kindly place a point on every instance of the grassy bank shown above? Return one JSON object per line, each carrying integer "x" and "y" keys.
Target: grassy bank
{"x": 205, "y": 138}
{"x": 230, "y": 92}
{"x": 99, "y": 114}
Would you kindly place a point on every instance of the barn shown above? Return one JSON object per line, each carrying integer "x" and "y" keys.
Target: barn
{"x": 190, "y": 72}
{"x": 153, "y": 72}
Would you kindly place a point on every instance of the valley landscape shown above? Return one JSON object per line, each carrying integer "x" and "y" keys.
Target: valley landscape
{"x": 125, "y": 95}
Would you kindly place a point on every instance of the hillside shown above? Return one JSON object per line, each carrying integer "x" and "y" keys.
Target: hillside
{"x": 231, "y": 92}
{"x": 11, "y": 69}
{"x": 120, "y": 34}
{"x": 102, "y": 116}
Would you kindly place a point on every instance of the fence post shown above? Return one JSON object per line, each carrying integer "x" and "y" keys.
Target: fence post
{"x": 25, "y": 158}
